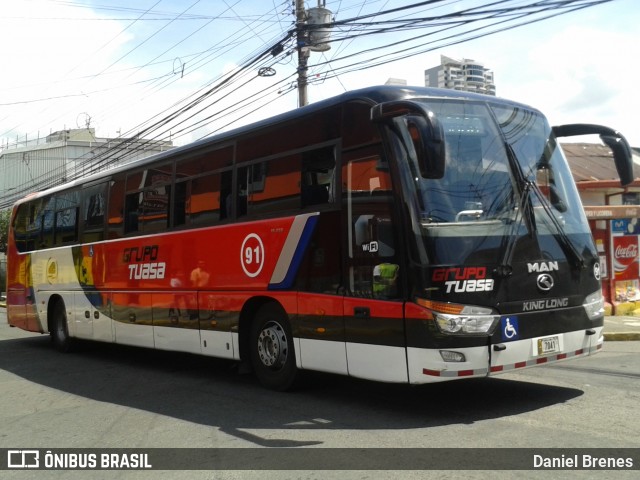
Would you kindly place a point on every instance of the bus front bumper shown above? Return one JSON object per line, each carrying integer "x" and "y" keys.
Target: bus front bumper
{"x": 429, "y": 365}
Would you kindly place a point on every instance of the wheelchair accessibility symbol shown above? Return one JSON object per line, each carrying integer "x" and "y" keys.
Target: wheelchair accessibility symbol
{"x": 510, "y": 330}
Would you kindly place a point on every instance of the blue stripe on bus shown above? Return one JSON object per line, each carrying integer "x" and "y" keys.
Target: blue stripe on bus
{"x": 296, "y": 260}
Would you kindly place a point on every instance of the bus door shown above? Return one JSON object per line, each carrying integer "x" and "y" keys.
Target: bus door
{"x": 373, "y": 308}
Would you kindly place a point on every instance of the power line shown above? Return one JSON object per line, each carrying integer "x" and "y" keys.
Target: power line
{"x": 205, "y": 57}
{"x": 190, "y": 114}
{"x": 451, "y": 22}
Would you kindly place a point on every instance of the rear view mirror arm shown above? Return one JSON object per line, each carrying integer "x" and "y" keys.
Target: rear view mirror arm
{"x": 612, "y": 138}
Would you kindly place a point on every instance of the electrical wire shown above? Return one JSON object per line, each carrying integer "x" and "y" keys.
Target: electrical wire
{"x": 189, "y": 114}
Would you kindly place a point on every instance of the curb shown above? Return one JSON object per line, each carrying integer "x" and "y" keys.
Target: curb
{"x": 622, "y": 336}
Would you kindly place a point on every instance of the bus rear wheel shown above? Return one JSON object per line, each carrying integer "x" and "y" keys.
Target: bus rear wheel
{"x": 272, "y": 353}
{"x": 60, "y": 331}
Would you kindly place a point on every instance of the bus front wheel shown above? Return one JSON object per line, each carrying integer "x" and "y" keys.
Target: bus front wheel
{"x": 60, "y": 331}
{"x": 272, "y": 353}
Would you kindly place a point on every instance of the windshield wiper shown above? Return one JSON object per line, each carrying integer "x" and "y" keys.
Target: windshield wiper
{"x": 560, "y": 235}
{"x": 525, "y": 212}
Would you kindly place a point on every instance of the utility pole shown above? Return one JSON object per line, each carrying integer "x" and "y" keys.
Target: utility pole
{"x": 303, "y": 53}
{"x": 313, "y": 32}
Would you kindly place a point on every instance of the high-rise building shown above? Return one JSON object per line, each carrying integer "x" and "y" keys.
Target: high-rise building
{"x": 466, "y": 75}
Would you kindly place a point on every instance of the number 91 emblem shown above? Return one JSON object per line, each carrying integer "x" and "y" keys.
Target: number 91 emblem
{"x": 252, "y": 255}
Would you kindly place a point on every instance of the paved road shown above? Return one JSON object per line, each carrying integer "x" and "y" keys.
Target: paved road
{"x": 109, "y": 396}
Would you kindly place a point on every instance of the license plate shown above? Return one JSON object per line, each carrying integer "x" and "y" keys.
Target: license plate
{"x": 547, "y": 345}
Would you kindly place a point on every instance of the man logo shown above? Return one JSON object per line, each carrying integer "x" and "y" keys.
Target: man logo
{"x": 545, "y": 282}
{"x": 596, "y": 271}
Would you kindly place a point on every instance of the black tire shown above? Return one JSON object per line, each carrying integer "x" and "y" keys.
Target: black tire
{"x": 59, "y": 329}
{"x": 272, "y": 354}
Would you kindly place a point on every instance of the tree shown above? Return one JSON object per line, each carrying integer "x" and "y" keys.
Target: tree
{"x": 5, "y": 215}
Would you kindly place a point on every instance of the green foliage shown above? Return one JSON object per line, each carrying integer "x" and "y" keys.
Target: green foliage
{"x": 4, "y": 229}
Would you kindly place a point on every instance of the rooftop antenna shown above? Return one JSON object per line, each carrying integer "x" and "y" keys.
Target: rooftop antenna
{"x": 85, "y": 118}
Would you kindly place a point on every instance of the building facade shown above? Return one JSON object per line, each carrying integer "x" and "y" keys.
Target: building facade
{"x": 465, "y": 75}
{"x": 38, "y": 164}
{"x": 613, "y": 213}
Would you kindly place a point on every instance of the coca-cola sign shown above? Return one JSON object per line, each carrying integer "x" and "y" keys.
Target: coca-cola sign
{"x": 625, "y": 257}
{"x": 630, "y": 251}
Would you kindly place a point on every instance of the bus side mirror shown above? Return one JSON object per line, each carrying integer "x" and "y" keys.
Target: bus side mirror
{"x": 425, "y": 131}
{"x": 612, "y": 138}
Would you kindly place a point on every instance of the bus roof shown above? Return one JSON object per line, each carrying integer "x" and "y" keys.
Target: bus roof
{"x": 372, "y": 95}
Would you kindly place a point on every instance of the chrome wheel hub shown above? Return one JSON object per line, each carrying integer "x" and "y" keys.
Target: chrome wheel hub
{"x": 272, "y": 346}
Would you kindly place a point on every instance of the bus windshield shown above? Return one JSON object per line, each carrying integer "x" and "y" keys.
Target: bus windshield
{"x": 504, "y": 177}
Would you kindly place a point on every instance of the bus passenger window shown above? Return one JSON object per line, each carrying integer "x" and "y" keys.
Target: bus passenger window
{"x": 94, "y": 209}
{"x": 226, "y": 191}
{"x": 46, "y": 239}
{"x": 132, "y": 212}
{"x": 29, "y": 215}
{"x": 203, "y": 201}
{"x": 154, "y": 211}
{"x": 115, "y": 219}
{"x": 66, "y": 225}
{"x": 19, "y": 230}
{"x": 242, "y": 186}
{"x": 180, "y": 203}
{"x": 20, "y": 225}
{"x": 317, "y": 176}
{"x": 274, "y": 186}
{"x": 93, "y": 213}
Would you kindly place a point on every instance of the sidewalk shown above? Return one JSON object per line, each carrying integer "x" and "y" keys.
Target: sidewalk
{"x": 621, "y": 328}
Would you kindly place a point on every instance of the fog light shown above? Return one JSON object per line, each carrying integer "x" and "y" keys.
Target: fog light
{"x": 450, "y": 356}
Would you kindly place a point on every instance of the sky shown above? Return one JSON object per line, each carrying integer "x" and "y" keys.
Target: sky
{"x": 123, "y": 67}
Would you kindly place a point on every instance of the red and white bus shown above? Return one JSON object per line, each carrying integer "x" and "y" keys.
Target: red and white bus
{"x": 394, "y": 234}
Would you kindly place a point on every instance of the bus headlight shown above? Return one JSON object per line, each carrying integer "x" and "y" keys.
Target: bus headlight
{"x": 458, "y": 319}
{"x": 594, "y": 305}
{"x": 470, "y": 320}
{"x": 474, "y": 323}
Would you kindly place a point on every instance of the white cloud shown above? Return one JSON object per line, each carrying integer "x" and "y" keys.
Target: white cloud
{"x": 580, "y": 74}
{"x": 49, "y": 72}
{"x": 575, "y": 68}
